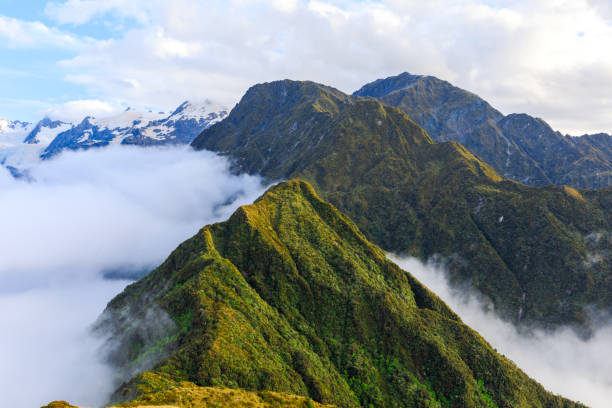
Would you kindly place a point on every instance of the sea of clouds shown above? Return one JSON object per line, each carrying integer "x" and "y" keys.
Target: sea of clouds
{"x": 83, "y": 214}
{"x": 561, "y": 361}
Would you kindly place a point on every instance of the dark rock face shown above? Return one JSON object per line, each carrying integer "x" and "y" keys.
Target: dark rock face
{"x": 518, "y": 146}
{"x": 33, "y": 136}
{"x": 382, "y": 87}
{"x": 522, "y": 247}
{"x": 72, "y": 139}
{"x": 19, "y": 174}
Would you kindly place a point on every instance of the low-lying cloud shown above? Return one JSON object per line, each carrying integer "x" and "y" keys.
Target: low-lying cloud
{"x": 104, "y": 209}
{"x": 86, "y": 213}
{"x": 46, "y": 349}
{"x": 561, "y": 361}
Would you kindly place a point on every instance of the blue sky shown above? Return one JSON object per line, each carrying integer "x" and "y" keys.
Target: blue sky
{"x": 30, "y": 77}
{"x": 69, "y": 58}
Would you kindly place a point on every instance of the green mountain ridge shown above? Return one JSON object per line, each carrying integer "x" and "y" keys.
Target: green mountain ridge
{"x": 518, "y": 146}
{"x": 288, "y": 296}
{"x": 530, "y": 250}
{"x": 160, "y": 391}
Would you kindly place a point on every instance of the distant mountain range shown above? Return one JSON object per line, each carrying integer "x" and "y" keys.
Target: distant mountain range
{"x": 7, "y": 126}
{"x": 540, "y": 255}
{"x": 518, "y": 146}
{"x": 22, "y": 143}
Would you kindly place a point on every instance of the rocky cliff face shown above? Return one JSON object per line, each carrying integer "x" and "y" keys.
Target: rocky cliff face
{"x": 518, "y": 146}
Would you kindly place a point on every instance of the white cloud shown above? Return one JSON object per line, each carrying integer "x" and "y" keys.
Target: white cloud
{"x": 286, "y": 6}
{"x": 548, "y": 58}
{"x": 80, "y": 12}
{"x": 75, "y": 111}
{"x": 86, "y": 213}
{"x": 106, "y": 208}
{"x": 33, "y": 34}
{"x": 602, "y": 6}
{"x": 64, "y": 216}
{"x": 167, "y": 47}
{"x": 45, "y": 348}
{"x": 561, "y": 361}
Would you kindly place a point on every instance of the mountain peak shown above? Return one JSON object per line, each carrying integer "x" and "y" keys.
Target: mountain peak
{"x": 285, "y": 93}
{"x": 385, "y": 86}
{"x": 279, "y": 126}
{"x": 198, "y": 109}
{"x": 288, "y": 296}
{"x": 373, "y": 162}
{"x": 46, "y": 130}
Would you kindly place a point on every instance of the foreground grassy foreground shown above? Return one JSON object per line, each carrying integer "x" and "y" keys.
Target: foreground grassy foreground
{"x": 160, "y": 392}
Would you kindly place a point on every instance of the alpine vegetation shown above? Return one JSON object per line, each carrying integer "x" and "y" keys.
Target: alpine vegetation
{"x": 234, "y": 251}
{"x": 524, "y": 247}
{"x": 288, "y": 296}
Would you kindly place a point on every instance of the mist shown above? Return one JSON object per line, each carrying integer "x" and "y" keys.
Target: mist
{"x": 561, "y": 361}
{"x": 119, "y": 209}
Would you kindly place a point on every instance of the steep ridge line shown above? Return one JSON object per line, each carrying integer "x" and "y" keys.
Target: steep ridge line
{"x": 277, "y": 321}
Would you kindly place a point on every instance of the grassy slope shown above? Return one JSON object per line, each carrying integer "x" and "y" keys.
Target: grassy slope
{"x": 412, "y": 196}
{"x": 160, "y": 391}
{"x": 288, "y": 296}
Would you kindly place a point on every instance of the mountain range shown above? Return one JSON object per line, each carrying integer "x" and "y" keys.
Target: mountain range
{"x": 22, "y": 143}
{"x": 288, "y": 296}
{"x": 539, "y": 255}
{"x": 518, "y": 146}
{"x": 288, "y": 303}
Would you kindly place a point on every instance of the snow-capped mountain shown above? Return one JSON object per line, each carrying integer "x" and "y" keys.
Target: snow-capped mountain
{"x": 46, "y": 131}
{"x": 12, "y": 149}
{"x": 22, "y": 144}
{"x": 139, "y": 128}
{"x": 12, "y": 132}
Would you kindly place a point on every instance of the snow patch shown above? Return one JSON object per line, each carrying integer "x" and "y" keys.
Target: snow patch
{"x": 46, "y": 134}
{"x": 126, "y": 119}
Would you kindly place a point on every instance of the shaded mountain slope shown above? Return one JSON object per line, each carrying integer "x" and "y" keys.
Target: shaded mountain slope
{"x": 519, "y": 147}
{"x": 527, "y": 249}
{"x": 289, "y": 296}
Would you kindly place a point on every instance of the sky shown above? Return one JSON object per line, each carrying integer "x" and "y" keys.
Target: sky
{"x": 548, "y": 58}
